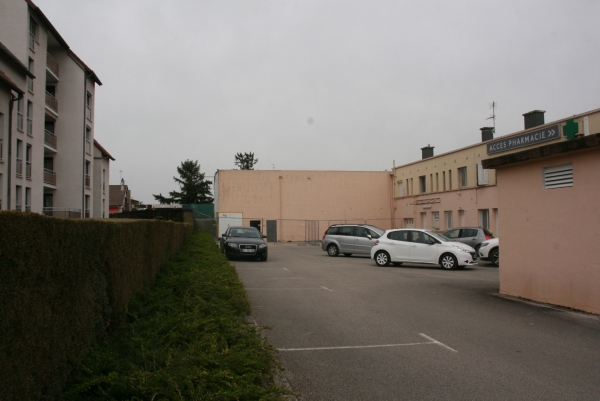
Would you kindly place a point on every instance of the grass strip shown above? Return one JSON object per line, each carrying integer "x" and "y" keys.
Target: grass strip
{"x": 185, "y": 339}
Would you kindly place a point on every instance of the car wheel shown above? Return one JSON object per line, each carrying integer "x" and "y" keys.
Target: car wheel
{"x": 495, "y": 256}
{"x": 397, "y": 263}
{"x": 347, "y": 254}
{"x": 332, "y": 250}
{"x": 382, "y": 258}
{"x": 264, "y": 257}
{"x": 448, "y": 261}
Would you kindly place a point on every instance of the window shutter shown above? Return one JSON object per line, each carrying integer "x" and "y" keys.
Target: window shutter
{"x": 482, "y": 175}
{"x": 558, "y": 176}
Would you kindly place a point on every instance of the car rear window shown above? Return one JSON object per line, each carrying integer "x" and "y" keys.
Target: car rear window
{"x": 469, "y": 232}
{"x": 488, "y": 232}
{"x": 332, "y": 231}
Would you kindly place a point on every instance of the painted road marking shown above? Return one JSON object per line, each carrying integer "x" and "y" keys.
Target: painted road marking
{"x": 431, "y": 341}
{"x": 287, "y": 289}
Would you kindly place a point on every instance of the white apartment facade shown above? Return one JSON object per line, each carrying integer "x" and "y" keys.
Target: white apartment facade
{"x": 49, "y": 160}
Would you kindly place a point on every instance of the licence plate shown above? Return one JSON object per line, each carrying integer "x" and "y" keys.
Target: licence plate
{"x": 248, "y": 250}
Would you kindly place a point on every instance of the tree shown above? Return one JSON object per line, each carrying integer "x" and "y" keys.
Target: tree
{"x": 245, "y": 161}
{"x": 194, "y": 188}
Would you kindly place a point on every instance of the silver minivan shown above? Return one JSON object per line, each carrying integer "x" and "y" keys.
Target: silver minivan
{"x": 349, "y": 239}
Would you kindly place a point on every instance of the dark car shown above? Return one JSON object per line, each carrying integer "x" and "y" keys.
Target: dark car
{"x": 472, "y": 236}
{"x": 243, "y": 242}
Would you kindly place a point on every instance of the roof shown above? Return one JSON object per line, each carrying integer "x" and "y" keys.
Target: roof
{"x": 555, "y": 149}
{"x": 102, "y": 150}
{"x": 59, "y": 38}
{"x": 116, "y": 196}
{"x": 4, "y": 78}
{"x": 9, "y": 55}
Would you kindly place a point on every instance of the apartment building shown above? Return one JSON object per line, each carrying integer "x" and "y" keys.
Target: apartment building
{"x": 454, "y": 189}
{"x": 49, "y": 160}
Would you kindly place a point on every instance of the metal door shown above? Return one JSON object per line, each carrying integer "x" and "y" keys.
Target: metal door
{"x": 271, "y": 230}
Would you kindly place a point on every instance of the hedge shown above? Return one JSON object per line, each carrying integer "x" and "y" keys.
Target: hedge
{"x": 64, "y": 283}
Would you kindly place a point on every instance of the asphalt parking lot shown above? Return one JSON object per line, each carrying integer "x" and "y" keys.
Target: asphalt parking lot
{"x": 347, "y": 329}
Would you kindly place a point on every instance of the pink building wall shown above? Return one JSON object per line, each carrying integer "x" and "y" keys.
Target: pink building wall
{"x": 292, "y": 197}
{"x": 550, "y": 250}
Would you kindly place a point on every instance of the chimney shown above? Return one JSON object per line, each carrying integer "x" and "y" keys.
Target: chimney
{"x": 487, "y": 134}
{"x": 534, "y": 118}
{"x": 427, "y": 151}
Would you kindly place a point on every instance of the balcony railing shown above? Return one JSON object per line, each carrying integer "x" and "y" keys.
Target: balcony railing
{"x": 64, "y": 212}
{"x": 88, "y": 147}
{"x": 30, "y": 84}
{"x": 87, "y": 213}
{"x": 51, "y": 102}
{"x": 18, "y": 206}
{"x": 52, "y": 64}
{"x": 28, "y": 208}
{"x": 19, "y": 121}
{"x": 19, "y": 171}
{"x": 88, "y": 181}
{"x": 88, "y": 113}
{"x": 49, "y": 177}
{"x": 29, "y": 127}
{"x": 50, "y": 139}
{"x": 28, "y": 170}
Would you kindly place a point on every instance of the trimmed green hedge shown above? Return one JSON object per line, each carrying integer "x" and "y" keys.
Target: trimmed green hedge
{"x": 63, "y": 284}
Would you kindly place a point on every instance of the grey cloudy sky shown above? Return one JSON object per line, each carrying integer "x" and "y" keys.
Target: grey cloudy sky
{"x": 321, "y": 84}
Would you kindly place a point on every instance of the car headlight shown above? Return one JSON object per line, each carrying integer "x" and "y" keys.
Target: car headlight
{"x": 461, "y": 249}
{"x": 484, "y": 245}
{"x": 232, "y": 245}
{"x": 262, "y": 246}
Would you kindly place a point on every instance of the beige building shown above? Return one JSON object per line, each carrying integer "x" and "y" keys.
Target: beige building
{"x": 48, "y": 156}
{"x": 453, "y": 189}
{"x": 548, "y": 195}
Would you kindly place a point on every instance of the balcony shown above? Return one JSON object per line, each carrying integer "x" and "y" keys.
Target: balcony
{"x": 29, "y": 127}
{"x": 63, "y": 212}
{"x": 28, "y": 170}
{"x": 52, "y": 65}
{"x": 88, "y": 113}
{"x": 51, "y": 102}
{"x": 19, "y": 121}
{"x": 50, "y": 139}
{"x": 49, "y": 177}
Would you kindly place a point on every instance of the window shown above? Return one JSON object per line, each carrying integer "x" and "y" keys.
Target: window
{"x": 33, "y": 33}
{"x": 437, "y": 183}
{"x": 28, "y": 199}
{"x": 484, "y": 218}
{"x": 398, "y": 235}
{"x": 462, "y": 177}
{"x": 450, "y": 179}
{"x": 88, "y": 106}
{"x": 29, "y": 118}
{"x": 496, "y": 220}
{"x": 20, "y": 114}
{"x": 409, "y": 223}
{"x": 461, "y": 216}
{"x": 103, "y": 207}
{"x": 448, "y": 215}
{"x": 28, "y": 158}
{"x": 482, "y": 175}
{"x": 19, "y": 160}
{"x": 431, "y": 183}
{"x": 88, "y": 179}
{"x": 558, "y": 176}
{"x": 453, "y": 233}
{"x": 444, "y": 180}
{"x": 1, "y": 186}
{"x": 400, "y": 188}
{"x": 423, "y": 184}
{"x": 424, "y": 219}
{"x": 412, "y": 188}
{"x": 103, "y": 181}
{"x": 29, "y": 79}
{"x": 1, "y": 138}
{"x": 346, "y": 231}
{"x": 87, "y": 207}
{"x": 436, "y": 220}
{"x": 18, "y": 198}
{"x": 88, "y": 140}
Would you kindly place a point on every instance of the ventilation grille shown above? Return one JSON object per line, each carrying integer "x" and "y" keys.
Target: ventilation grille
{"x": 558, "y": 176}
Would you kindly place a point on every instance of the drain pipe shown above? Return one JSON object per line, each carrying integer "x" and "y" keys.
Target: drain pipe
{"x": 11, "y": 103}
{"x": 85, "y": 77}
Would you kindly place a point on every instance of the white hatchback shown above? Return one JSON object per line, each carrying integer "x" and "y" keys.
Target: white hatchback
{"x": 413, "y": 245}
{"x": 490, "y": 250}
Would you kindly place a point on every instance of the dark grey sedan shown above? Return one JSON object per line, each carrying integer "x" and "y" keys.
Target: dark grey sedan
{"x": 472, "y": 236}
{"x": 243, "y": 242}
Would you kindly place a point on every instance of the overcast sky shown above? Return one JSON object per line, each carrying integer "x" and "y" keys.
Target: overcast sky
{"x": 321, "y": 85}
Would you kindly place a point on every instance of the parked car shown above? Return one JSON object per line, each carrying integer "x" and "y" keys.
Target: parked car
{"x": 244, "y": 242}
{"x": 349, "y": 239}
{"x": 472, "y": 236}
{"x": 490, "y": 250}
{"x": 421, "y": 246}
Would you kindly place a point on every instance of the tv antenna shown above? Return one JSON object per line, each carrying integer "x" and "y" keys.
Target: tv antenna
{"x": 493, "y": 106}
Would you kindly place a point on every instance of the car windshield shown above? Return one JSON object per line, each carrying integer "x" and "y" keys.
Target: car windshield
{"x": 245, "y": 233}
{"x": 376, "y": 229}
{"x": 439, "y": 237}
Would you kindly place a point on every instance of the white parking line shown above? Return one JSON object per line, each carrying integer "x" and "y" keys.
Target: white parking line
{"x": 287, "y": 289}
{"x": 326, "y": 288}
{"x": 432, "y": 341}
{"x": 285, "y": 269}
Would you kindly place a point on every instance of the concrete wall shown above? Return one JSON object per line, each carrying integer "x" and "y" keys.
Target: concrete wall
{"x": 549, "y": 252}
{"x": 292, "y": 197}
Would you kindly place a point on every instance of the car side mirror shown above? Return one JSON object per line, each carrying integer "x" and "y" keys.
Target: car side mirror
{"x": 430, "y": 242}
{"x": 369, "y": 236}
